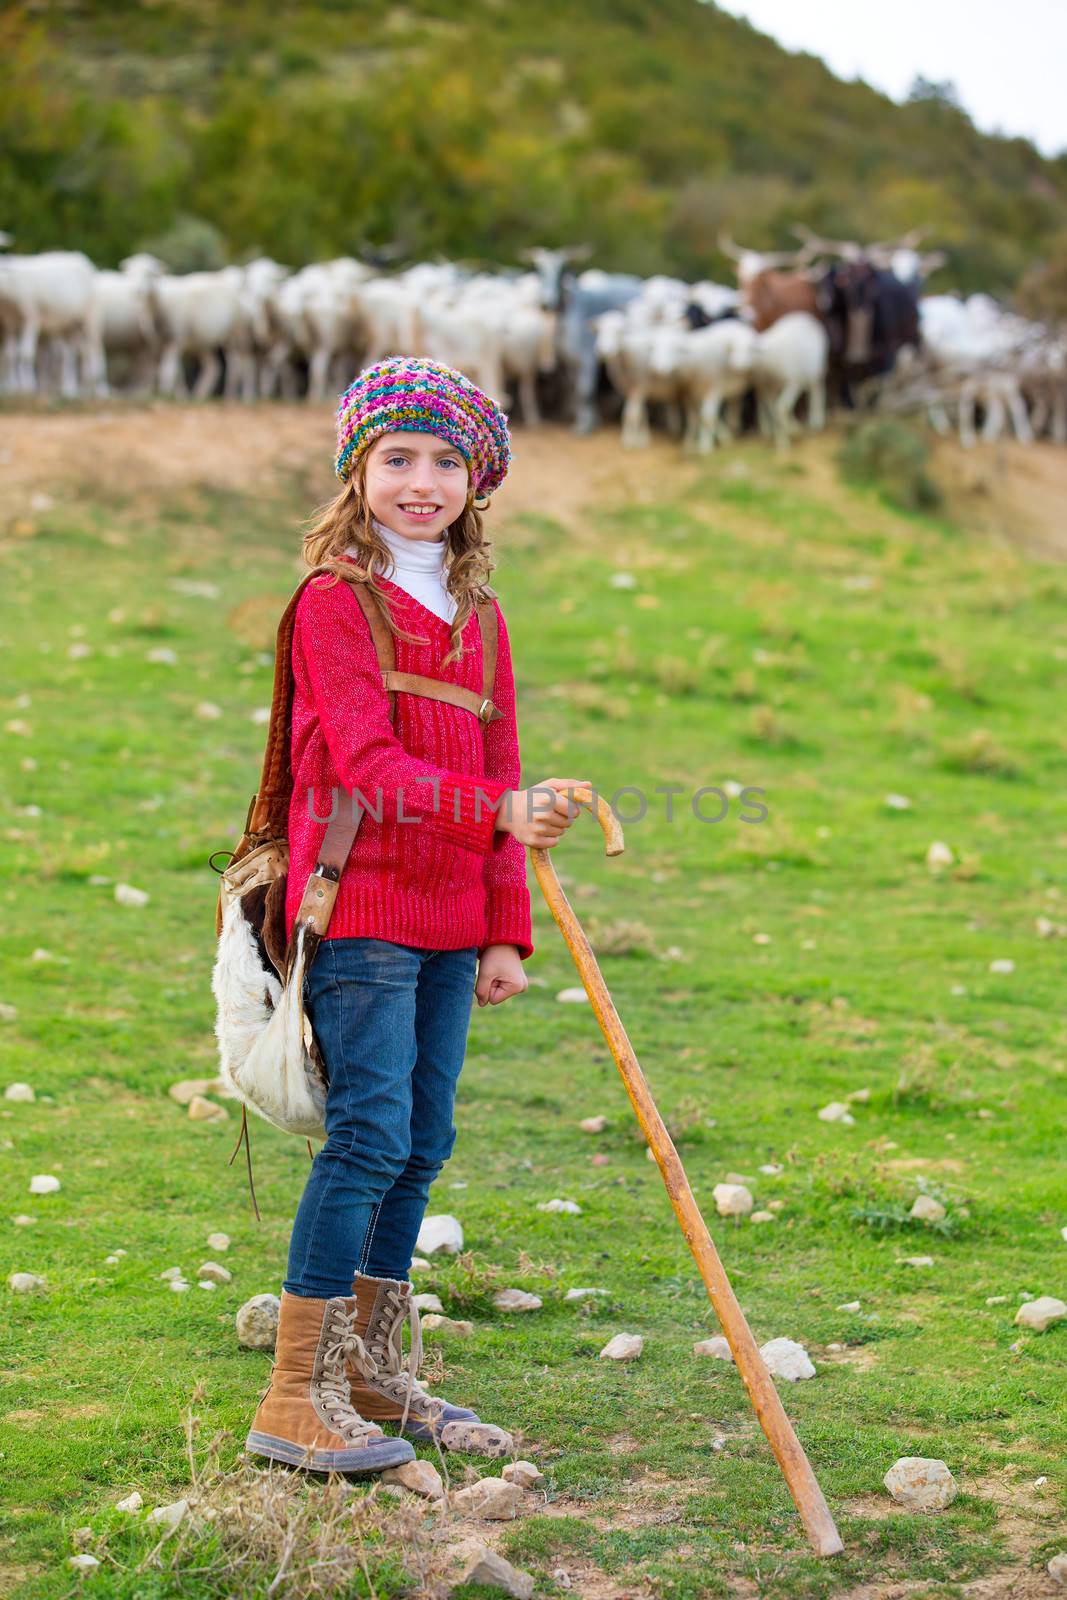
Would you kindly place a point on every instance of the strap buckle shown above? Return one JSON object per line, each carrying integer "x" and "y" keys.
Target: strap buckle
{"x": 485, "y": 709}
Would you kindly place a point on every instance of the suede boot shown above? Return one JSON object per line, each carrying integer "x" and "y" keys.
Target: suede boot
{"x": 306, "y": 1418}
{"x": 385, "y": 1386}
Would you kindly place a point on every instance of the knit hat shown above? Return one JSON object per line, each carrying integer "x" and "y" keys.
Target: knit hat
{"x": 414, "y": 394}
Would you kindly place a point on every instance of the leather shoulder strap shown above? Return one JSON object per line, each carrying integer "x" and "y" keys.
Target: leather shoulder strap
{"x": 487, "y": 621}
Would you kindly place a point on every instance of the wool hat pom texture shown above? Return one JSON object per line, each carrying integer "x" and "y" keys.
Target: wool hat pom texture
{"x": 417, "y": 395}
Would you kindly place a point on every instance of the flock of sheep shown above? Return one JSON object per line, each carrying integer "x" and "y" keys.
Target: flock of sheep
{"x": 701, "y": 359}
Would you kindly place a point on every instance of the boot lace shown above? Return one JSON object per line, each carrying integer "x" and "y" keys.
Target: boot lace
{"x": 386, "y": 1345}
{"x": 332, "y": 1386}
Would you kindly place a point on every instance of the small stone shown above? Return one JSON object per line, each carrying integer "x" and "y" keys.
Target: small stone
{"x": 1057, "y": 1567}
{"x": 1041, "y": 1313}
{"x": 8, "y": 1013}
{"x": 569, "y": 1207}
{"x": 84, "y": 1562}
{"x": 170, "y": 1274}
{"x": 421, "y": 1477}
{"x": 484, "y": 1566}
{"x": 44, "y": 1183}
{"x": 427, "y": 1302}
{"x": 771, "y": 1169}
{"x": 898, "y": 802}
{"x": 921, "y": 1484}
{"x": 208, "y": 711}
{"x": 19, "y": 1091}
{"x": 178, "y": 1285}
{"x": 593, "y": 1124}
{"x": 163, "y": 656}
{"x": 600, "y": 1160}
{"x": 623, "y": 1347}
{"x": 169, "y": 1517}
{"x": 732, "y": 1199}
{"x": 859, "y": 1097}
{"x": 524, "y": 1473}
{"x": 572, "y": 997}
{"x": 127, "y": 895}
{"x": 213, "y": 1272}
{"x": 917, "y": 1261}
{"x": 132, "y": 1502}
{"x": 202, "y": 1110}
{"x": 837, "y": 1111}
{"x": 927, "y": 1209}
{"x": 441, "y": 1234}
{"x": 996, "y": 1299}
{"x": 762, "y": 1216}
{"x": 23, "y": 1221}
{"x": 583, "y": 1294}
{"x": 493, "y": 1499}
{"x": 517, "y": 1300}
{"x": 25, "y": 1282}
{"x": 187, "y": 1088}
{"x": 447, "y": 1325}
{"x": 112, "y": 1261}
{"x": 420, "y": 1264}
{"x": 939, "y": 856}
{"x": 849, "y": 1305}
{"x": 477, "y": 1438}
{"x": 1002, "y": 965}
{"x": 218, "y": 1241}
{"x": 716, "y": 1347}
{"x": 761, "y": 938}
{"x": 206, "y": 1283}
{"x": 784, "y": 1358}
{"x": 257, "y": 1322}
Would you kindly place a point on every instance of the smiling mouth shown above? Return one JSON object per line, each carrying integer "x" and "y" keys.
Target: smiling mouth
{"x": 420, "y": 510}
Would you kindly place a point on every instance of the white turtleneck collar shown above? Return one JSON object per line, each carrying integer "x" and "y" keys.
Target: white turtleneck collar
{"x": 418, "y": 569}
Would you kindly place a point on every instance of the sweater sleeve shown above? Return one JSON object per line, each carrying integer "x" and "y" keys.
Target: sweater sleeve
{"x": 504, "y": 868}
{"x": 353, "y": 709}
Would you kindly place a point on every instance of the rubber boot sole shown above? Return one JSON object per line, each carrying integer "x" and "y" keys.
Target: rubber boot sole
{"x": 371, "y": 1458}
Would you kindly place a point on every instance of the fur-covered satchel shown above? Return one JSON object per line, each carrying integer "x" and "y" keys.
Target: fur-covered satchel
{"x": 268, "y": 1055}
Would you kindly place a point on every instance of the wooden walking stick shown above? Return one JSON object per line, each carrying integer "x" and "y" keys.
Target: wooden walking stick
{"x": 796, "y": 1468}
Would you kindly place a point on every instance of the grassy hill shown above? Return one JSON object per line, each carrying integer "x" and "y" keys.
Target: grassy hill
{"x": 309, "y": 129}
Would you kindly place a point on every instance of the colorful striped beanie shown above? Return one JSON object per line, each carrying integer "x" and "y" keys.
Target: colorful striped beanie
{"x": 414, "y": 394}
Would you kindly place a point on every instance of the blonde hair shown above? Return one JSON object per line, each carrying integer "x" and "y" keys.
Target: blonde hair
{"x": 346, "y": 520}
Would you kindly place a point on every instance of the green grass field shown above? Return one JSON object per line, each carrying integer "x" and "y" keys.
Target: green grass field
{"x": 781, "y": 632}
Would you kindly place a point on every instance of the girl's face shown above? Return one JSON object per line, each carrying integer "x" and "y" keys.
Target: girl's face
{"x": 416, "y": 483}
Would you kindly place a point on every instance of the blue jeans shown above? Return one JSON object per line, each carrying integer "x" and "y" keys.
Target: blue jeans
{"x": 391, "y": 1021}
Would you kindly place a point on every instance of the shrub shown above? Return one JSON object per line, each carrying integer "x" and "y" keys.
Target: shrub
{"x": 891, "y": 456}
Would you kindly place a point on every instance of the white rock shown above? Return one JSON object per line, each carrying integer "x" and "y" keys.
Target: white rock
{"x": 623, "y": 580}
{"x": 163, "y": 656}
{"x": 421, "y": 1477}
{"x": 112, "y": 1261}
{"x": 570, "y": 1207}
{"x": 849, "y": 1305}
{"x": 44, "y": 1183}
{"x": 771, "y": 1169}
{"x": 1057, "y": 1567}
{"x": 218, "y": 1241}
{"x": 127, "y": 895}
{"x": 178, "y": 1285}
{"x": 837, "y": 1111}
{"x": 25, "y": 1282}
{"x": 418, "y": 1264}
{"x": 623, "y": 1347}
{"x": 716, "y": 1347}
{"x": 84, "y": 1562}
{"x": 447, "y": 1324}
{"x": 732, "y": 1199}
{"x": 898, "y": 802}
{"x": 440, "y": 1234}
{"x": 215, "y": 1273}
{"x": 427, "y": 1302}
{"x": 485, "y": 1566}
{"x": 132, "y": 1502}
{"x": 917, "y": 1261}
{"x": 524, "y": 1473}
{"x": 1003, "y": 965}
{"x": 8, "y": 1013}
{"x": 169, "y": 1516}
{"x": 921, "y": 1484}
{"x": 996, "y": 1299}
{"x": 516, "y": 1300}
{"x": 582, "y": 1294}
{"x": 859, "y": 1097}
{"x": 927, "y": 1209}
{"x": 19, "y": 1091}
{"x": 202, "y": 1110}
{"x": 1041, "y": 1313}
{"x": 593, "y": 1124}
{"x": 23, "y": 1221}
{"x": 1063, "y": 1235}
{"x": 939, "y": 855}
{"x": 785, "y": 1358}
{"x": 257, "y": 1322}
{"x": 208, "y": 711}
{"x": 572, "y": 997}
{"x": 170, "y": 1274}
{"x": 493, "y": 1499}
{"x": 206, "y": 1283}
{"x": 762, "y": 1216}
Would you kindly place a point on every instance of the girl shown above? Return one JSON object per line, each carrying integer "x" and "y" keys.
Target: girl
{"x": 432, "y": 906}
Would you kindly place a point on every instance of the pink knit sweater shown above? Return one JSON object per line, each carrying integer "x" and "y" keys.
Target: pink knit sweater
{"x": 434, "y": 871}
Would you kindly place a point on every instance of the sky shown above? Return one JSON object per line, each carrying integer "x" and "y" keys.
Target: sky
{"x": 1007, "y": 60}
